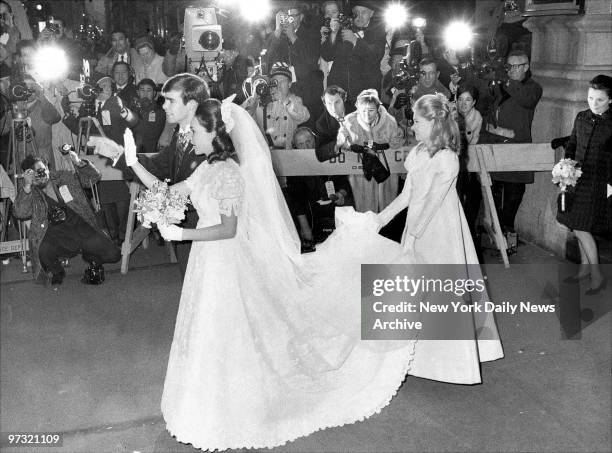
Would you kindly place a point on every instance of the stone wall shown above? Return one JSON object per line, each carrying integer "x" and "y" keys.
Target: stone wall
{"x": 567, "y": 52}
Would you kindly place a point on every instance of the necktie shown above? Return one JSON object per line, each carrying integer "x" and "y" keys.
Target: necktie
{"x": 122, "y": 58}
{"x": 182, "y": 143}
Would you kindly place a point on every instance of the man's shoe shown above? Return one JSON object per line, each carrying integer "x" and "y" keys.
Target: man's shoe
{"x": 57, "y": 279}
{"x": 94, "y": 274}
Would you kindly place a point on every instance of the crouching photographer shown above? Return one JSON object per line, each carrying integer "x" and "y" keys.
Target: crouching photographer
{"x": 63, "y": 223}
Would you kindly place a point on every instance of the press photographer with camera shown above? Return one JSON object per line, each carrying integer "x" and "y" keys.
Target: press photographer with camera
{"x": 356, "y": 50}
{"x": 152, "y": 118}
{"x": 63, "y": 223}
{"x": 297, "y": 45}
{"x": 114, "y": 118}
{"x": 29, "y": 101}
{"x": 55, "y": 33}
{"x": 279, "y": 114}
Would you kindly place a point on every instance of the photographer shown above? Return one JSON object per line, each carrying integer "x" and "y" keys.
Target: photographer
{"x": 152, "y": 118}
{"x": 63, "y": 223}
{"x": 298, "y": 46}
{"x": 55, "y": 33}
{"x": 39, "y": 113}
{"x": 113, "y": 117}
{"x": 279, "y": 116}
{"x": 356, "y": 51}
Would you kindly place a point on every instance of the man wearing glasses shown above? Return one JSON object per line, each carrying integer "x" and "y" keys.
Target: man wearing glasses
{"x": 513, "y": 111}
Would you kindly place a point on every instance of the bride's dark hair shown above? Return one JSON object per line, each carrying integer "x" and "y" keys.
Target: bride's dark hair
{"x": 208, "y": 114}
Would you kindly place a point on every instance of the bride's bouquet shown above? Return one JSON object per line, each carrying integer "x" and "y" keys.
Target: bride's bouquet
{"x": 565, "y": 174}
{"x": 160, "y": 204}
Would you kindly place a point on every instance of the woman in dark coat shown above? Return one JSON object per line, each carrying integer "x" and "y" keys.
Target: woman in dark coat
{"x": 590, "y": 211}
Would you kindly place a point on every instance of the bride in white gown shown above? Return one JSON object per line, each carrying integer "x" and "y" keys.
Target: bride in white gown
{"x": 267, "y": 346}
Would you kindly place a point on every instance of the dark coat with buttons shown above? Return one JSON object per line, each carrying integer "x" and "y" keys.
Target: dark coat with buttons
{"x": 587, "y": 206}
{"x": 34, "y": 206}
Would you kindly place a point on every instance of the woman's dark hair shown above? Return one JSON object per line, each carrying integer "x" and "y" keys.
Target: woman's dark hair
{"x": 208, "y": 114}
{"x": 30, "y": 160}
{"x": 468, "y": 88}
{"x": 602, "y": 82}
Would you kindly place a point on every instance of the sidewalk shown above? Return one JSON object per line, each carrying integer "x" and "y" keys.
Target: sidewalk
{"x": 89, "y": 362}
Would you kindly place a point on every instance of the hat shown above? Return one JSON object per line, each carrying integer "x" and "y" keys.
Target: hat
{"x": 102, "y": 78}
{"x": 366, "y": 4}
{"x": 142, "y": 42}
{"x": 282, "y": 68}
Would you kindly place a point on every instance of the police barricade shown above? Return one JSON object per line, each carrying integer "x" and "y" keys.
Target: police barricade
{"x": 482, "y": 159}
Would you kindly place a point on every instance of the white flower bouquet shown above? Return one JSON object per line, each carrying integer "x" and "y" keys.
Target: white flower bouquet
{"x": 565, "y": 174}
{"x": 160, "y": 204}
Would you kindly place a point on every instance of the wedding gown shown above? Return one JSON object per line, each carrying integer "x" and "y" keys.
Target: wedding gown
{"x": 267, "y": 343}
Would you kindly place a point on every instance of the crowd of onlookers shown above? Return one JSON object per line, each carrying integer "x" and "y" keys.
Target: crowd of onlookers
{"x": 333, "y": 88}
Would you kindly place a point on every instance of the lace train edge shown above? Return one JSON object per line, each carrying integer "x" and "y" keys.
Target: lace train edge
{"x": 378, "y": 407}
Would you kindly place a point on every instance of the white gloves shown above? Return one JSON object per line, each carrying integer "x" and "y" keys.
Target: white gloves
{"x": 170, "y": 232}
{"x": 130, "y": 148}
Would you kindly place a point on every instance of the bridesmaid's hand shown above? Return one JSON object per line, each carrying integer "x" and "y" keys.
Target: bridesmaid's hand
{"x": 409, "y": 243}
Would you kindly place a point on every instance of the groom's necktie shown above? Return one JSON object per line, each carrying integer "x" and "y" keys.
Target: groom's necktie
{"x": 182, "y": 143}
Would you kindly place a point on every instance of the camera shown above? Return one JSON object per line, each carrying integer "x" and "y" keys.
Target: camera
{"x": 286, "y": 19}
{"x": 343, "y": 20}
{"x": 20, "y": 92}
{"x": 53, "y": 27}
{"x": 56, "y": 215}
{"x": 409, "y": 73}
{"x": 88, "y": 91}
{"x": 65, "y": 149}
{"x": 261, "y": 86}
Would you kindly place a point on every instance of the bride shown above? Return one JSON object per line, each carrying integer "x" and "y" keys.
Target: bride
{"x": 267, "y": 344}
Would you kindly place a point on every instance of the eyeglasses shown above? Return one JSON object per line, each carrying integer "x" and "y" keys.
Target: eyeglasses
{"x": 515, "y": 67}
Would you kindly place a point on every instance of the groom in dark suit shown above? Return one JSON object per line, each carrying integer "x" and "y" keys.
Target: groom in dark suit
{"x": 177, "y": 161}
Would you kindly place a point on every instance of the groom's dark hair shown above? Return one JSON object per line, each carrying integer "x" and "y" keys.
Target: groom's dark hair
{"x": 191, "y": 86}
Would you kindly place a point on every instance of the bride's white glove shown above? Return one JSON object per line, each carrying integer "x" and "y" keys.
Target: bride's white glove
{"x": 130, "y": 148}
{"x": 170, "y": 232}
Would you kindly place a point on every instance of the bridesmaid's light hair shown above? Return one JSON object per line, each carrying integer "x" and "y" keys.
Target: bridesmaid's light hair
{"x": 445, "y": 132}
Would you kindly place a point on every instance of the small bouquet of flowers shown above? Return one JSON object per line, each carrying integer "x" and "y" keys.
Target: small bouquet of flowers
{"x": 565, "y": 174}
{"x": 160, "y": 204}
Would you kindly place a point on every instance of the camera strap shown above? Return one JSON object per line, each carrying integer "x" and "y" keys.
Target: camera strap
{"x": 265, "y": 126}
{"x": 60, "y": 199}
{"x": 385, "y": 158}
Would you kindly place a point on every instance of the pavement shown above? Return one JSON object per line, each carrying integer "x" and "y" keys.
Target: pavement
{"x": 88, "y": 362}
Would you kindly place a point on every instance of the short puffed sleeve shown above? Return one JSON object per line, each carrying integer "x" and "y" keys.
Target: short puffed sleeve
{"x": 227, "y": 187}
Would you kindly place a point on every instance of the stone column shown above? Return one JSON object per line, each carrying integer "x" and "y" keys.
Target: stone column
{"x": 567, "y": 51}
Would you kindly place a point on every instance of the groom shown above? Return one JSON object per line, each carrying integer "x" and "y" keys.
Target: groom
{"x": 182, "y": 93}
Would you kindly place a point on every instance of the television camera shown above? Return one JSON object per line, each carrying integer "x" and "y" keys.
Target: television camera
{"x": 203, "y": 42}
